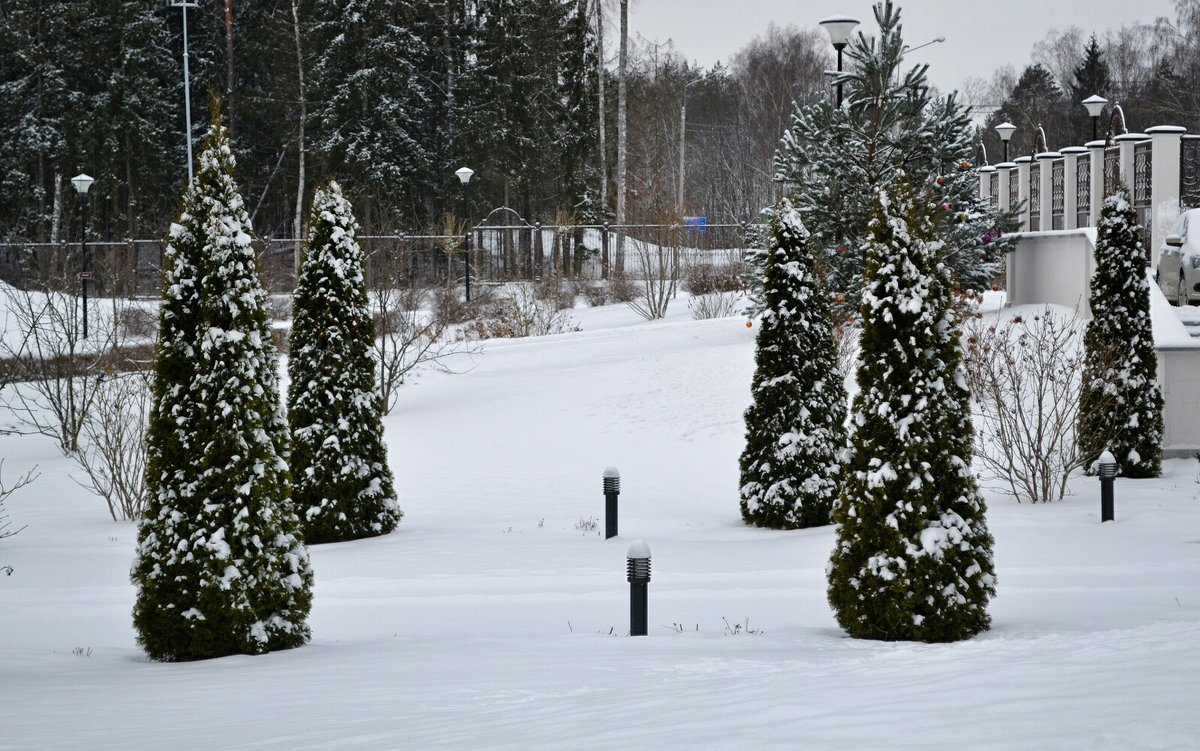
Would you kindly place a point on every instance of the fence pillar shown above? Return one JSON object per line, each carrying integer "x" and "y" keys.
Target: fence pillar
{"x": 604, "y": 251}
{"x": 1125, "y": 142}
{"x": 985, "y": 182}
{"x": 1164, "y": 181}
{"x": 1007, "y": 174}
{"x": 539, "y": 252}
{"x": 1046, "y": 189}
{"x": 1071, "y": 157}
{"x": 1096, "y": 157}
{"x": 1023, "y": 163}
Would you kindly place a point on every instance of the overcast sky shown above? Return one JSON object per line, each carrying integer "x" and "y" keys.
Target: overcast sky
{"x": 980, "y": 36}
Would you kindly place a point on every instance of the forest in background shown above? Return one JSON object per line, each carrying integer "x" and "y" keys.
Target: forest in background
{"x": 391, "y": 96}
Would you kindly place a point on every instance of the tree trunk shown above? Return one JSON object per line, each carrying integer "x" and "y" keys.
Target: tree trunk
{"x": 297, "y": 222}
{"x": 229, "y": 108}
{"x": 56, "y": 218}
{"x": 622, "y": 65}
{"x": 600, "y": 98}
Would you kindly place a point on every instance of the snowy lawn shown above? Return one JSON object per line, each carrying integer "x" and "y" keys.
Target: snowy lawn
{"x": 490, "y": 619}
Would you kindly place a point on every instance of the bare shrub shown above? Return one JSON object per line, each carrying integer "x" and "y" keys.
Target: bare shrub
{"x": 845, "y": 339}
{"x": 713, "y": 305}
{"x": 407, "y": 333}
{"x": 705, "y": 274}
{"x": 661, "y": 267}
{"x": 134, "y": 322}
{"x": 1025, "y": 379}
{"x": 55, "y": 369}
{"x": 112, "y": 450}
{"x": 593, "y": 293}
{"x": 520, "y": 313}
{"x": 622, "y": 287}
{"x": 555, "y": 292}
{"x": 6, "y": 529}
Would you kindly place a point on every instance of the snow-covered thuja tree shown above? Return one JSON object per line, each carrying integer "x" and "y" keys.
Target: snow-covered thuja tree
{"x": 1121, "y": 406}
{"x": 343, "y": 489}
{"x": 835, "y": 160}
{"x": 220, "y": 568}
{"x": 913, "y": 557}
{"x": 795, "y": 427}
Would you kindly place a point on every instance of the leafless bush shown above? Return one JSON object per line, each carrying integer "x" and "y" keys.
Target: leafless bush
{"x": 622, "y": 287}
{"x": 555, "y": 292}
{"x": 713, "y": 305}
{"x": 55, "y": 369}
{"x": 522, "y": 312}
{"x": 112, "y": 450}
{"x": 135, "y": 323}
{"x": 705, "y": 275}
{"x": 7, "y": 490}
{"x": 661, "y": 268}
{"x": 279, "y": 307}
{"x": 407, "y": 333}
{"x": 593, "y": 293}
{"x": 845, "y": 339}
{"x": 1025, "y": 378}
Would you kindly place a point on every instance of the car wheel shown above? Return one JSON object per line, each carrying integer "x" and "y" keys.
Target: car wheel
{"x": 1181, "y": 292}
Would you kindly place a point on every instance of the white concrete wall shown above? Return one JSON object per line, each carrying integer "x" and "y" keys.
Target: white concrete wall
{"x": 1056, "y": 267}
{"x": 1052, "y": 267}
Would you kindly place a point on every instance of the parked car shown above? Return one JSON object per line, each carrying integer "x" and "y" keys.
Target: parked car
{"x": 1178, "y": 272}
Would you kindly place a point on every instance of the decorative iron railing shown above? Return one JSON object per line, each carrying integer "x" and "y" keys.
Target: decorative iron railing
{"x": 1142, "y": 204}
{"x": 1058, "y": 185}
{"x": 1112, "y": 168}
{"x": 994, "y": 190}
{"x": 1014, "y": 189}
{"x": 1083, "y": 192}
{"x": 1189, "y": 173}
{"x": 1035, "y": 197}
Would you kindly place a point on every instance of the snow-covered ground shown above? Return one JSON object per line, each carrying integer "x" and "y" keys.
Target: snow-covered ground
{"x": 491, "y": 619}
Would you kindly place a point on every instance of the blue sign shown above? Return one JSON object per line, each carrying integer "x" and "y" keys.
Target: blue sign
{"x": 698, "y": 223}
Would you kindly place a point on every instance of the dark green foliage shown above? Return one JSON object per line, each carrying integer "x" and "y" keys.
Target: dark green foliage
{"x": 913, "y": 559}
{"x": 835, "y": 161}
{"x": 795, "y": 427}
{"x": 343, "y": 487}
{"x": 1121, "y": 406}
{"x": 219, "y": 567}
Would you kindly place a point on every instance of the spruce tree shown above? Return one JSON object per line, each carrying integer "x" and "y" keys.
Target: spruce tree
{"x": 913, "y": 556}
{"x": 343, "y": 489}
{"x": 219, "y": 568}
{"x": 794, "y": 428}
{"x": 1121, "y": 405}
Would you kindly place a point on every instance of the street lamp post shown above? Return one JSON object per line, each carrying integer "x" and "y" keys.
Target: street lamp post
{"x": 464, "y": 176}
{"x": 82, "y": 182}
{"x": 839, "y": 29}
{"x": 1095, "y": 106}
{"x": 187, "y": 91}
{"x": 1006, "y": 129}
{"x": 683, "y": 143}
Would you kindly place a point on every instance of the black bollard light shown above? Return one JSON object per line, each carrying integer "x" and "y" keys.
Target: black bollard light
{"x": 1107, "y": 464}
{"x": 638, "y": 574}
{"x": 612, "y": 489}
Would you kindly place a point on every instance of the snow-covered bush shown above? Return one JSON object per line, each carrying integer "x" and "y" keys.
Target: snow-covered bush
{"x": 1121, "y": 406}
{"x": 913, "y": 557}
{"x": 520, "y": 311}
{"x": 220, "y": 568}
{"x": 342, "y": 487}
{"x": 795, "y": 427}
{"x": 1025, "y": 377}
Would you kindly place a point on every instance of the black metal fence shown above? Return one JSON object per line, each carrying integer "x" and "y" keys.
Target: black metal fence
{"x": 492, "y": 254}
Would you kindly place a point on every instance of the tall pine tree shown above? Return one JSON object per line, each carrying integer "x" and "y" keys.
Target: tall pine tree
{"x": 219, "y": 568}
{"x": 913, "y": 558}
{"x": 794, "y": 428}
{"x": 343, "y": 487}
{"x": 837, "y": 159}
{"x": 1120, "y": 408}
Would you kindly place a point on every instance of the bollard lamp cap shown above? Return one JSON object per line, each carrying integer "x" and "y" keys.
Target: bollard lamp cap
{"x": 611, "y": 472}
{"x": 639, "y": 549}
{"x": 1106, "y": 457}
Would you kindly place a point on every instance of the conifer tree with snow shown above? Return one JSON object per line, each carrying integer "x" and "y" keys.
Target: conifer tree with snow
{"x": 913, "y": 557}
{"x": 1121, "y": 404}
{"x": 837, "y": 159}
{"x": 342, "y": 486}
{"x": 794, "y": 428}
{"x": 220, "y": 568}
